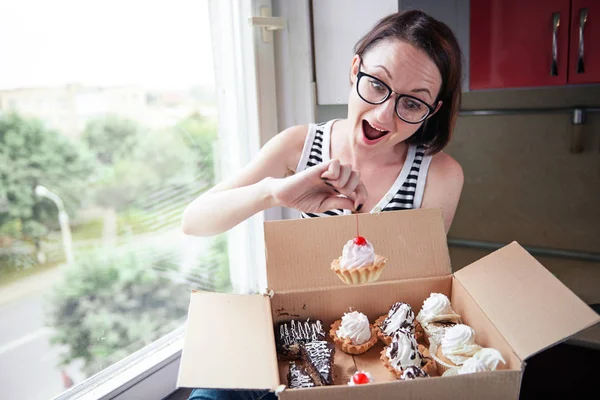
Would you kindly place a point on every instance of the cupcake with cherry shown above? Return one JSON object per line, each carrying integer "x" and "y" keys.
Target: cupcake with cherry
{"x": 358, "y": 264}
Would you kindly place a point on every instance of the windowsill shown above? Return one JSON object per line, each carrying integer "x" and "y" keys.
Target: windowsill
{"x": 148, "y": 373}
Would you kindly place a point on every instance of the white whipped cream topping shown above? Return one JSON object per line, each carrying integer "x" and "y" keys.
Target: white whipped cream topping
{"x": 355, "y": 256}
{"x": 472, "y": 365}
{"x": 459, "y": 344}
{"x": 355, "y": 326}
{"x": 403, "y": 351}
{"x": 436, "y": 331}
{"x": 490, "y": 357}
{"x": 400, "y": 315}
{"x": 436, "y": 308}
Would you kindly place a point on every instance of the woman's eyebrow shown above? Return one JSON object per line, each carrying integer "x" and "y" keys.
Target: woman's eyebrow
{"x": 419, "y": 90}
{"x": 422, "y": 90}
{"x": 386, "y": 71}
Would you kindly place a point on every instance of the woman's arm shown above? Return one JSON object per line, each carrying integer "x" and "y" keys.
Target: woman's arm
{"x": 444, "y": 186}
{"x": 265, "y": 183}
{"x": 233, "y": 201}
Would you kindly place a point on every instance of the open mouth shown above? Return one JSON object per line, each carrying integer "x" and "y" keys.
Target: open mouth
{"x": 372, "y": 133}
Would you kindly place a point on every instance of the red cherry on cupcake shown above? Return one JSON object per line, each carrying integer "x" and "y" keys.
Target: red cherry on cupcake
{"x": 360, "y": 241}
{"x": 360, "y": 378}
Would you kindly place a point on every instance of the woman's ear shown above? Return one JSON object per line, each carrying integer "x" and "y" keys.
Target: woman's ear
{"x": 354, "y": 68}
{"x": 437, "y": 108}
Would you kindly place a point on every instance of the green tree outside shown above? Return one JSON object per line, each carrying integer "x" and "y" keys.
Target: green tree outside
{"x": 31, "y": 155}
{"x": 139, "y": 160}
{"x": 112, "y": 304}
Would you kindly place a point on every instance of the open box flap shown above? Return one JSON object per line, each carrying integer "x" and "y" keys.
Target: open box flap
{"x": 299, "y": 252}
{"x": 530, "y": 307}
{"x": 222, "y": 333}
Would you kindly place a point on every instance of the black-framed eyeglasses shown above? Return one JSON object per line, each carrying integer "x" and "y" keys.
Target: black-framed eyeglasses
{"x": 374, "y": 91}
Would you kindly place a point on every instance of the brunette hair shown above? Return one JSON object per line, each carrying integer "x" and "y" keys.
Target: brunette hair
{"x": 437, "y": 40}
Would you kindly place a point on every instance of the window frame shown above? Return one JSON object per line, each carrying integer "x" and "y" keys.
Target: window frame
{"x": 152, "y": 371}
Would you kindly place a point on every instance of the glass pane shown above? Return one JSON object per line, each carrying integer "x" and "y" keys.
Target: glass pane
{"x": 108, "y": 129}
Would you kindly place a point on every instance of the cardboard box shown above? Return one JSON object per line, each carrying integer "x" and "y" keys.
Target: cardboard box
{"x": 511, "y": 301}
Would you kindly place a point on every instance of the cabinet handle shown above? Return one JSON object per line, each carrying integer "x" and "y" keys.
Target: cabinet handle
{"x": 582, "y": 20}
{"x": 577, "y": 135}
{"x": 555, "y": 25}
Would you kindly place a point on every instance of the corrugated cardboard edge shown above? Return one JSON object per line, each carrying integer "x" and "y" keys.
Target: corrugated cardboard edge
{"x": 497, "y": 385}
{"x": 299, "y": 252}
{"x": 530, "y": 307}
{"x": 223, "y": 332}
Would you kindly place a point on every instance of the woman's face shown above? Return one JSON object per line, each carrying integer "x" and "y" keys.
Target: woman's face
{"x": 406, "y": 70}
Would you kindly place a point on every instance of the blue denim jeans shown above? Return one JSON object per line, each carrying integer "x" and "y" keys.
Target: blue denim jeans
{"x": 221, "y": 394}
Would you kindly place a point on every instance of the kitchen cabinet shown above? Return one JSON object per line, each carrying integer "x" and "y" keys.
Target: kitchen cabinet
{"x": 530, "y": 43}
{"x": 584, "y": 60}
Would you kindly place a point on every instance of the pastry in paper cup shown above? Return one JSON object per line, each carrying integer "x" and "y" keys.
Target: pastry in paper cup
{"x": 353, "y": 334}
{"x": 437, "y": 308}
{"x": 433, "y": 332}
{"x": 471, "y": 366}
{"x": 404, "y": 352}
{"x": 399, "y": 316}
{"x": 443, "y": 364}
{"x": 491, "y": 358}
{"x": 436, "y": 315}
{"x": 358, "y": 264}
{"x": 456, "y": 347}
{"x": 450, "y": 371}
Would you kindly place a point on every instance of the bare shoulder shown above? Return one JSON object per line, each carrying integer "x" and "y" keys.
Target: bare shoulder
{"x": 276, "y": 159}
{"x": 288, "y": 143}
{"x": 444, "y": 186}
{"x": 295, "y": 134}
{"x": 445, "y": 168}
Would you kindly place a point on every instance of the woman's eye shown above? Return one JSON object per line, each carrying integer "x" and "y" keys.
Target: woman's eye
{"x": 413, "y": 105}
{"x": 377, "y": 85}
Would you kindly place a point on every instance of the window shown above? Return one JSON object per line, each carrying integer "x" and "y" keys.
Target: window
{"x": 94, "y": 272}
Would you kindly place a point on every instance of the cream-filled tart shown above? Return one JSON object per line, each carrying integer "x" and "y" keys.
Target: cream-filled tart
{"x": 353, "y": 334}
{"x": 358, "y": 264}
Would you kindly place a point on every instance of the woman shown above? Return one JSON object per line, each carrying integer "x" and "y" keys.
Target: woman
{"x": 386, "y": 155}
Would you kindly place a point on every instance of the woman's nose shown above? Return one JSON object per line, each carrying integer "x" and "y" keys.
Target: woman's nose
{"x": 385, "y": 111}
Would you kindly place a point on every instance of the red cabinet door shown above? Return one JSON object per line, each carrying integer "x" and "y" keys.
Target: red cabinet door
{"x": 584, "y": 56}
{"x": 513, "y": 41}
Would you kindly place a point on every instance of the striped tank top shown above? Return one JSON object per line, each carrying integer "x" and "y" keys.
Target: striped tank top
{"x": 405, "y": 193}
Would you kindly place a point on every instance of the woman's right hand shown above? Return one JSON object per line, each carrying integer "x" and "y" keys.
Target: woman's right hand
{"x": 263, "y": 184}
{"x": 325, "y": 186}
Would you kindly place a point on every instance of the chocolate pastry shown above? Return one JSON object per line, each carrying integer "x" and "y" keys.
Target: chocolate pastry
{"x": 413, "y": 372}
{"x": 318, "y": 357}
{"x": 407, "y": 318}
{"x": 289, "y": 335}
{"x": 298, "y": 377}
{"x": 394, "y": 349}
